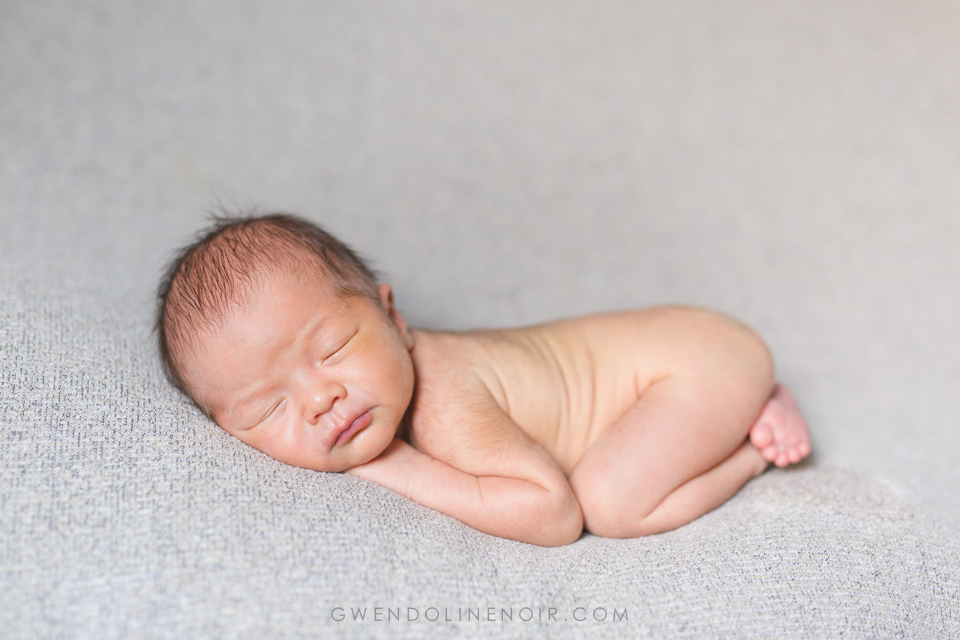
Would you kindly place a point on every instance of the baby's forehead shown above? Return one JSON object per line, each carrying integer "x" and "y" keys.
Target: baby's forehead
{"x": 281, "y": 307}
{"x": 274, "y": 291}
{"x": 266, "y": 276}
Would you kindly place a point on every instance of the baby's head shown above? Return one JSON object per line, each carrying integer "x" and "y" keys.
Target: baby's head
{"x": 281, "y": 334}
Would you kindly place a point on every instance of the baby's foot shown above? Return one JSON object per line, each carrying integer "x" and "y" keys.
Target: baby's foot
{"x": 781, "y": 433}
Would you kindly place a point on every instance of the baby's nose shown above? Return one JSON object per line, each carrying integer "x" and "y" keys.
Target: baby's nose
{"x": 322, "y": 399}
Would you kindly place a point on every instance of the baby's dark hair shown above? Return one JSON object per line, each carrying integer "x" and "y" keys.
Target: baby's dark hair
{"x": 232, "y": 256}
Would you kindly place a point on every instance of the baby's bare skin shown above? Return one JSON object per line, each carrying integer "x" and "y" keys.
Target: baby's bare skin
{"x": 629, "y": 423}
{"x": 573, "y": 387}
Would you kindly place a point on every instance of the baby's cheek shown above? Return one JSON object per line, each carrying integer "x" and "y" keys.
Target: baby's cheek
{"x": 281, "y": 445}
{"x": 371, "y": 442}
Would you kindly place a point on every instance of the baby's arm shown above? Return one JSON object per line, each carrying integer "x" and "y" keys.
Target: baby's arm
{"x": 508, "y": 485}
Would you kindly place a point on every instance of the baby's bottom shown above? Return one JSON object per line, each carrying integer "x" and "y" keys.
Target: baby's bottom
{"x": 639, "y": 480}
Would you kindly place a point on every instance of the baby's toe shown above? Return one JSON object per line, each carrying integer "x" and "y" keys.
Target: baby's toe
{"x": 761, "y": 435}
{"x": 770, "y": 453}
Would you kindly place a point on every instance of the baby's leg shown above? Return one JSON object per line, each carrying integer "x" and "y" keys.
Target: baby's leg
{"x": 671, "y": 458}
{"x": 780, "y": 433}
{"x": 707, "y": 491}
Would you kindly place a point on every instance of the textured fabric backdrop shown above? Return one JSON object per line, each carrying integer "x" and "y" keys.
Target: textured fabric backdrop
{"x": 795, "y": 164}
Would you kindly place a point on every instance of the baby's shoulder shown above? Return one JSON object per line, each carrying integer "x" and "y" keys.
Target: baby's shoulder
{"x": 451, "y": 363}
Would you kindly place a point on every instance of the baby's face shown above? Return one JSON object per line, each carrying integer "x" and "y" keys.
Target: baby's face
{"x": 308, "y": 378}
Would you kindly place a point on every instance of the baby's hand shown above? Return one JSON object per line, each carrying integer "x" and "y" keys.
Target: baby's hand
{"x": 781, "y": 433}
{"x": 394, "y": 468}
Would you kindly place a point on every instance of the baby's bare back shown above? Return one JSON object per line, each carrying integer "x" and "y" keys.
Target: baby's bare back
{"x": 563, "y": 383}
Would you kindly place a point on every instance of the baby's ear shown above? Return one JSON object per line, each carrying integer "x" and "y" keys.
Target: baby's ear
{"x": 386, "y": 300}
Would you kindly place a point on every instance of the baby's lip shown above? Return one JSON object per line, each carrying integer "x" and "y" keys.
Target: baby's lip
{"x": 355, "y": 422}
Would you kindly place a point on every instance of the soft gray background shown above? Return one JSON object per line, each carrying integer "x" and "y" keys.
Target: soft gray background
{"x": 795, "y": 164}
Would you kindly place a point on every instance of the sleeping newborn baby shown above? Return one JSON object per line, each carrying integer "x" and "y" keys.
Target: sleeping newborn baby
{"x": 628, "y": 424}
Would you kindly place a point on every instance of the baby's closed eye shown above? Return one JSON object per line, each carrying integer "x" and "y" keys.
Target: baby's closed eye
{"x": 338, "y": 350}
{"x": 264, "y": 416}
